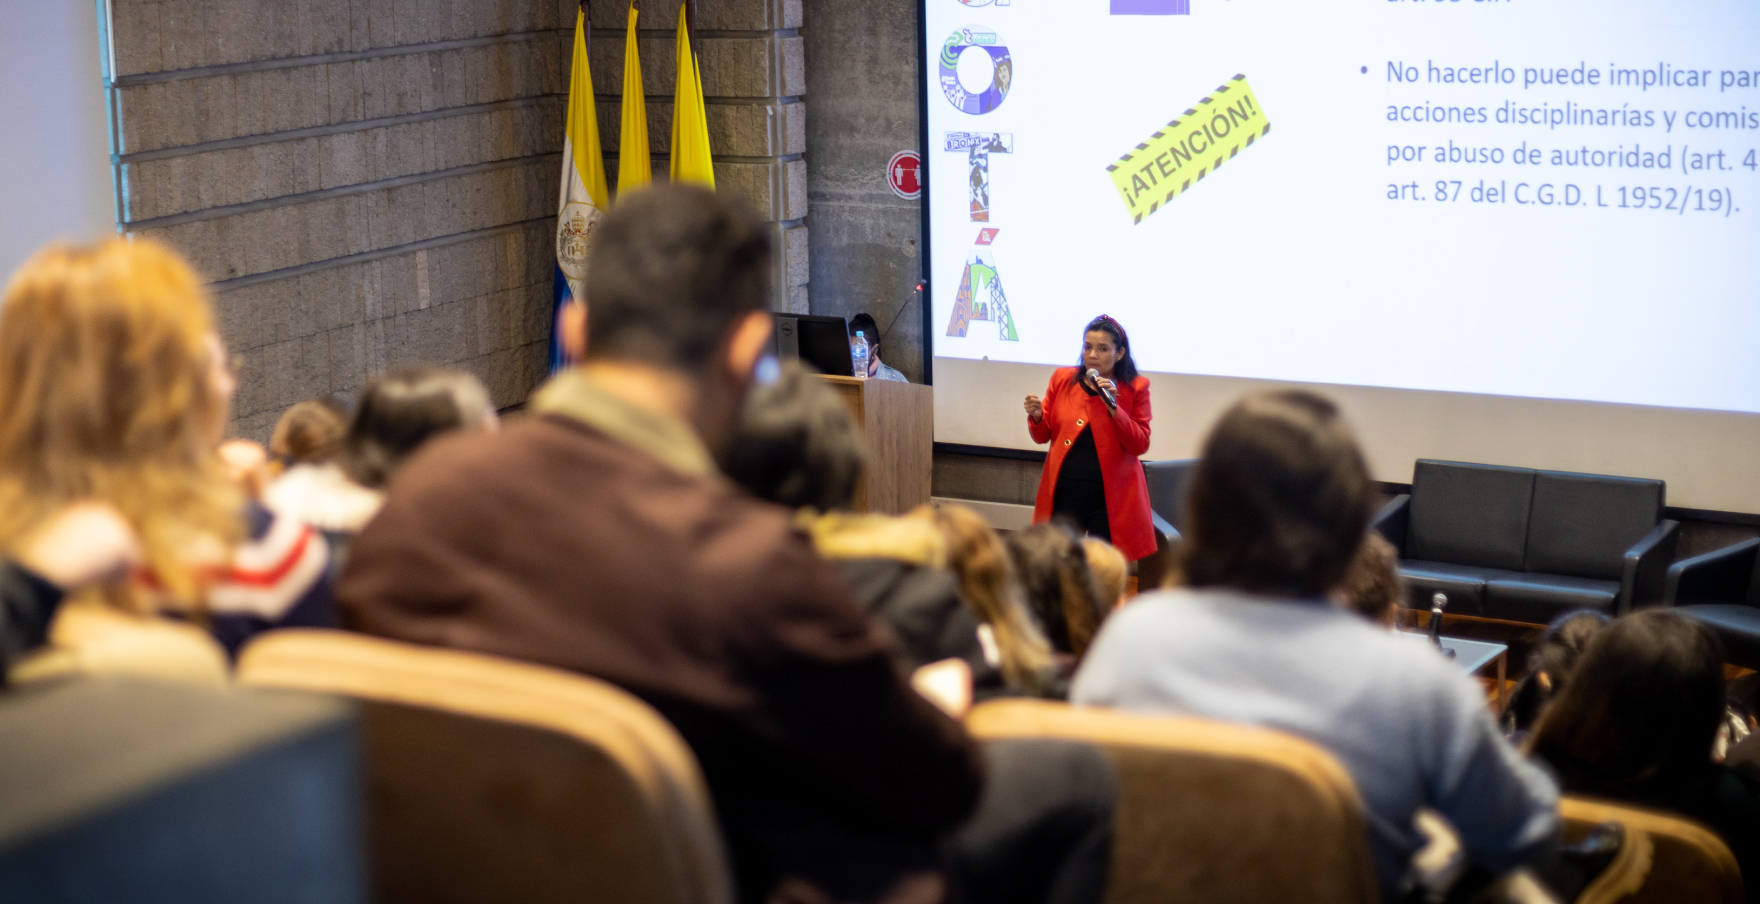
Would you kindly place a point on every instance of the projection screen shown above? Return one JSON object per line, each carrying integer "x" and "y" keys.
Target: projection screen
{"x": 1521, "y": 232}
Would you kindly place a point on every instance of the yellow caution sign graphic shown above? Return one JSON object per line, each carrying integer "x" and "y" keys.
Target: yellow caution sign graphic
{"x": 1189, "y": 148}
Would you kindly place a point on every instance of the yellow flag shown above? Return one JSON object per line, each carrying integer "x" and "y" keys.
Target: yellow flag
{"x": 634, "y": 170}
{"x": 583, "y": 123}
{"x": 584, "y": 197}
{"x": 691, "y": 160}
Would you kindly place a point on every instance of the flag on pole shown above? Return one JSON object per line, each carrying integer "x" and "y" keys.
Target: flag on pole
{"x": 584, "y": 194}
{"x": 633, "y": 167}
{"x": 691, "y": 161}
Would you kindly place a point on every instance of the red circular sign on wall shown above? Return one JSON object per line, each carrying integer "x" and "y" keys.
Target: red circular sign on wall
{"x": 905, "y": 174}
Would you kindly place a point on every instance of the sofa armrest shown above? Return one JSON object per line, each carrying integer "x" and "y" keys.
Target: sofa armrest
{"x": 1646, "y": 566}
{"x": 1720, "y": 576}
{"x": 1393, "y": 520}
{"x": 1167, "y": 530}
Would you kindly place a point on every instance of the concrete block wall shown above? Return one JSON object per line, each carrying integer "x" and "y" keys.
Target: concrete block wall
{"x": 368, "y": 183}
{"x": 754, "y": 77}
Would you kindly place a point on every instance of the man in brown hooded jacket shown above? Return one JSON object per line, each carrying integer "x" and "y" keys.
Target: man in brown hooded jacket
{"x": 596, "y": 535}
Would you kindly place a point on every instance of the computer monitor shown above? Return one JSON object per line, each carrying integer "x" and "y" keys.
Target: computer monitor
{"x": 820, "y": 341}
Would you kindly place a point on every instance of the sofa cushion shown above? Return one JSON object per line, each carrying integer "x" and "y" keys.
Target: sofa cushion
{"x": 1468, "y": 514}
{"x": 1464, "y": 584}
{"x": 1582, "y": 524}
{"x": 1736, "y": 625}
{"x": 1167, "y": 482}
{"x": 1539, "y": 598}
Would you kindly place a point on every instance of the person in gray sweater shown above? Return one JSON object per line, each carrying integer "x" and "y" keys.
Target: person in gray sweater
{"x": 1277, "y": 509}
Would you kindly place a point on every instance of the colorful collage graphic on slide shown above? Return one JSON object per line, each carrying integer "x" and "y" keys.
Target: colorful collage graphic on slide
{"x": 976, "y": 73}
{"x": 981, "y": 298}
{"x": 978, "y": 146}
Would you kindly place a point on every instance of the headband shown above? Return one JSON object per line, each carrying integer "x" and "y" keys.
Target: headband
{"x": 1114, "y": 324}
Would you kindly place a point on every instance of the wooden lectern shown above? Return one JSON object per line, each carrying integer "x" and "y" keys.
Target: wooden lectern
{"x": 898, "y": 433}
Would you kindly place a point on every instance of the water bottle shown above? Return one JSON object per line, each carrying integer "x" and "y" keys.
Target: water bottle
{"x": 858, "y": 355}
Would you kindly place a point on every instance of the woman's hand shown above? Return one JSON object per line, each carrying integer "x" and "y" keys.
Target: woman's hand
{"x": 947, "y": 684}
{"x": 1035, "y": 409}
{"x": 1107, "y": 385}
{"x": 247, "y": 463}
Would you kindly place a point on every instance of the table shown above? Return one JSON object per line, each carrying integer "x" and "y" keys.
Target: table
{"x": 1473, "y": 655}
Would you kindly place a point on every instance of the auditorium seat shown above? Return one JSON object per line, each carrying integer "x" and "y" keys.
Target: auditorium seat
{"x": 1209, "y": 811}
{"x": 1521, "y": 545}
{"x": 125, "y": 791}
{"x": 1719, "y": 589}
{"x": 89, "y": 638}
{"x": 496, "y": 780}
{"x": 1665, "y": 859}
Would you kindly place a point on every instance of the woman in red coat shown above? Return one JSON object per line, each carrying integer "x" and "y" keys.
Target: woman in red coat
{"x": 1092, "y": 475}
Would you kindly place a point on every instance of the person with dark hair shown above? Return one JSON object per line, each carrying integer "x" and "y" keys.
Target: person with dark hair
{"x": 1059, "y": 586}
{"x": 938, "y": 579}
{"x": 401, "y": 410}
{"x": 1371, "y": 586}
{"x": 1097, "y": 428}
{"x": 1550, "y": 667}
{"x": 797, "y": 444}
{"x": 1277, "y": 508}
{"x": 864, "y": 323}
{"x": 1636, "y": 724}
{"x": 597, "y": 535}
{"x": 395, "y": 415}
{"x": 930, "y": 575}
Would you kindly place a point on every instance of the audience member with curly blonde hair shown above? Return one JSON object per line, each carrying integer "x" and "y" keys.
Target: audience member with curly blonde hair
{"x": 115, "y": 387}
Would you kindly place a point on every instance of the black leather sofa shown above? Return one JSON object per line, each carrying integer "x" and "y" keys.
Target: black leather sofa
{"x": 1167, "y": 493}
{"x": 1522, "y": 545}
{"x": 1720, "y": 589}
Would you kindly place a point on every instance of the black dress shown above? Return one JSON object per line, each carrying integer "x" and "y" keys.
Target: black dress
{"x": 1080, "y": 497}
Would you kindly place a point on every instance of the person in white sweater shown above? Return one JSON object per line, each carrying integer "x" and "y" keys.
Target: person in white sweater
{"x": 1277, "y": 509}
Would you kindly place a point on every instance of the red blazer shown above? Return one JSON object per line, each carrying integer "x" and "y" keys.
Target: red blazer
{"x": 1119, "y": 437}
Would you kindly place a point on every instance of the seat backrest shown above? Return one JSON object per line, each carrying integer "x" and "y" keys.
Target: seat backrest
{"x": 496, "y": 780}
{"x": 1582, "y": 524}
{"x": 1209, "y": 811}
{"x": 1687, "y": 862}
{"x": 1468, "y": 514}
{"x": 90, "y": 638}
{"x": 1167, "y": 488}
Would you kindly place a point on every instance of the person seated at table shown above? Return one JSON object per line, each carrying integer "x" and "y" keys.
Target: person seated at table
{"x": 877, "y": 369}
{"x": 1278, "y": 506}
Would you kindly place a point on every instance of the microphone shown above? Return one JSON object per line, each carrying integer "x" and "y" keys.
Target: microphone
{"x": 1438, "y": 603}
{"x": 915, "y": 291}
{"x": 1105, "y": 394}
